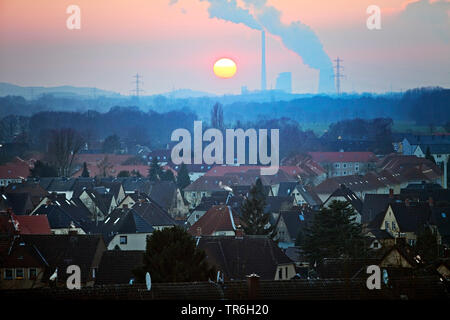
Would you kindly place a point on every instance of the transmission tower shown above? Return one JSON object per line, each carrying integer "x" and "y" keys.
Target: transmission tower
{"x": 138, "y": 83}
{"x": 338, "y": 74}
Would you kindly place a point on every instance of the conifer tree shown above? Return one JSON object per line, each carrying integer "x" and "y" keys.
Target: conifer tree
{"x": 172, "y": 256}
{"x": 85, "y": 173}
{"x": 155, "y": 171}
{"x": 183, "y": 179}
{"x": 334, "y": 233}
{"x": 255, "y": 221}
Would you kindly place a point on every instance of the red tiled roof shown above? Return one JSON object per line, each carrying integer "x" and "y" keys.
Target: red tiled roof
{"x": 343, "y": 156}
{"x": 15, "y": 169}
{"x": 33, "y": 224}
{"x": 114, "y": 159}
{"x": 218, "y": 218}
{"x": 221, "y": 170}
{"x": 94, "y": 170}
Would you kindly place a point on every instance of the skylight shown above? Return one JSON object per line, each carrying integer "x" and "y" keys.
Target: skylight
{"x": 116, "y": 220}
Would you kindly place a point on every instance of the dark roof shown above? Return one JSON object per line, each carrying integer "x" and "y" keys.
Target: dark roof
{"x": 20, "y": 203}
{"x": 373, "y": 205}
{"x": 153, "y": 213}
{"x": 295, "y": 219}
{"x": 116, "y": 266}
{"x": 163, "y": 193}
{"x": 58, "y": 218}
{"x": 121, "y": 221}
{"x": 60, "y": 251}
{"x": 411, "y": 218}
{"x": 278, "y": 203}
{"x": 441, "y": 216}
{"x": 237, "y": 258}
{"x": 349, "y": 195}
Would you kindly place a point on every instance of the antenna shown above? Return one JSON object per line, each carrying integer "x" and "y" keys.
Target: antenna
{"x": 338, "y": 75}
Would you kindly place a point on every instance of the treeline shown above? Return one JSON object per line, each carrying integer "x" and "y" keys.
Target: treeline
{"x": 423, "y": 106}
{"x": 131, "y": 124}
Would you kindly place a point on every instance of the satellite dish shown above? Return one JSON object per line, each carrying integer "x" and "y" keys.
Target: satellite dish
{"x": 148, "y": 281}
{"x": 385, "y": 277}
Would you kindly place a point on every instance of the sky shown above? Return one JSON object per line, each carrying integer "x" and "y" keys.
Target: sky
{"x": 173, "y": 44}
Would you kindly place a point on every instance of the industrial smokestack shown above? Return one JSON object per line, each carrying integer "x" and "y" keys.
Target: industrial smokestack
{"x": 263, "y": 60}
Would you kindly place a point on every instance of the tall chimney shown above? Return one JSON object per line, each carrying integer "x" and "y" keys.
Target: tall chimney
{"x": 263, "y": 60}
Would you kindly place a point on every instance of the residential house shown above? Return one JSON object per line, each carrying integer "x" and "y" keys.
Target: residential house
{"x": 33, "y": 259}
{"x": 302, "y": 194}
{"x": 154, "y": 214}
{"x": 125, "y": 229}
{"x": 14, "y": 172}
{"x": 14, "y": 224}
{"x": 116, "y": 267}
{"x": 20, "y": 203}
{"x": 237, "y": 257}
{"x": 345, "y": 194}
{"x": 404, "y": 220}
{"x": 345, "y": 163}
{"x": 219, "y": 220}
{"x": 36, "y": 192}
{"x": 291, "y": 224}
{"x": 168, "y": 196}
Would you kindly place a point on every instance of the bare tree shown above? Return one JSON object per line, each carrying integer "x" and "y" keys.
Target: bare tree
{"x": 104, "y": 166}
{"x": 217, "y": 117}
{"x": 64, "y": 145}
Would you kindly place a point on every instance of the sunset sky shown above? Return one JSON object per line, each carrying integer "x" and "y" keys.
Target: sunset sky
{"x": 174, "y": 44}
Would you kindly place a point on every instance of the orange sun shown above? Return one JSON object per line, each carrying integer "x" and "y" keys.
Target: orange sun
{"x": 225, "y": 68}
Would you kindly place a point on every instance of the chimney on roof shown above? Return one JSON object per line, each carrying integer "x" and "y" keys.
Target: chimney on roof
{"x": 239, "y": 233}
{"x": 407, "y": 202}
{"x": 391, "y": 193}
{"x": 430, "y": 201}
{"x": 199, "y": 231}
{"x": 48, "y": 202}
{"x": 253, "y": 286}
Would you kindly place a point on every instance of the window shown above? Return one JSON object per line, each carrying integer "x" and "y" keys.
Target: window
{"x": 344, "y": 165}
{"x": 386, "y": 225}
{"x": 412, "y": 242}
{"x": 32, "y": 273}
{"x": 280, "y": 273}
{"x": 345, "y": 173}
{"x": 123, "y": 239}
{"x": 337, "y": 165}
{"x": 393, "y": 225}
{"x": 375, "y": 244}
{"x": 286, "y": 272}
{"x": 19, "y": 274}
{"x": 8, "y": 274}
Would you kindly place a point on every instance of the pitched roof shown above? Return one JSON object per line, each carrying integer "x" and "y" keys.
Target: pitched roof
{"x": 16, "y": 169}
{"x": 33, "y": 224}
{"x": 373, "y": 205}
{"x": 237, "y": 258}
{"x": 296, "y": 219}
{"x": 323, "y": 157}
{"x": 163, "y": 193}
{"x": 121, "y": 221}
{"x": 153, "y": 213}
{"x": 60, "y": 251}
{"x": 20, "y": 203}
{"x": 349, "y": 195}
{"x": 217, "y": 218}
{"x": 116, "y": 266}
{"x": 36, "y": 191}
